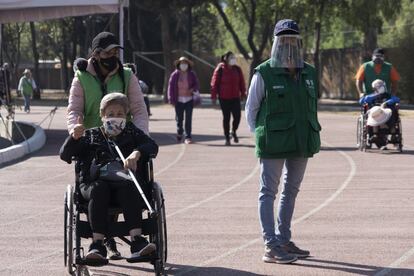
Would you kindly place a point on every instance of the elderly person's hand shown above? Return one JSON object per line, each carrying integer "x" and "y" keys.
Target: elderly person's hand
{"x": 131, "y": 160}
{"x": 78, "y": 129}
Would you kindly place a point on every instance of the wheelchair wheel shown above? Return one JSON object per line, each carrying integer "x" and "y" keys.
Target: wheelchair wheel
{"x": 400, "y": 144}
{"x": 160, "y": 238}
{"x": 68, "y": 230}
{"x": 361, "y": 133}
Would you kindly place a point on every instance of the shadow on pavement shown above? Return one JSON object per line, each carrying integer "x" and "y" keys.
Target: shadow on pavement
{"x": 359, "y": 269}
{"x": 174, "y": 269}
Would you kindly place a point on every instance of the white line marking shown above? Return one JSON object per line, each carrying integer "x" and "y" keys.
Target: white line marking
{"x": 241, "y": 182}
{"x": 298, "y": 220}
{"x": 180, "y": 155}
{"x": 395, "y": 264}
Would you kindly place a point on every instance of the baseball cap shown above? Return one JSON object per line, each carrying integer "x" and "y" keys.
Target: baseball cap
{"x": 105, "y": 41}
{"x": 286, "y": 26}
{"x": 378, "y": 51}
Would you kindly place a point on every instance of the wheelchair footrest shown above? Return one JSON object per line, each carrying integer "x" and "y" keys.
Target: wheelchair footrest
{"x": 83, "y": 261}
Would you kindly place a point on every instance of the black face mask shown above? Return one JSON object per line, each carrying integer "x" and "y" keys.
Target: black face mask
{"x": 109, "y": 63}
{"x": 378, "y": 60}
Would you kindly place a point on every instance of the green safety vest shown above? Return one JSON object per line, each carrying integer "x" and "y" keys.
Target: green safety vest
{"x": 27, "y": 86}
{"x": 93, "y": 93}
{"x": 370, "y": 76}
{"x": 287, "y": 124}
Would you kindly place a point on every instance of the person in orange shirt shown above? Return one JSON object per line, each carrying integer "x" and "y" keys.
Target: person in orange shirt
{"x": 377, "y": 68}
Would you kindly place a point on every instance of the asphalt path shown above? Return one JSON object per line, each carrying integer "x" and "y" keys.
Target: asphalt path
{"x": 355, "y": 211}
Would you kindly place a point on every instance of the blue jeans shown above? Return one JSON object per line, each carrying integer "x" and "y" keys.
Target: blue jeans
{"x": 26, "y": 102}
{"x": 270, "y": 173}
{"x": 180, "y": 109}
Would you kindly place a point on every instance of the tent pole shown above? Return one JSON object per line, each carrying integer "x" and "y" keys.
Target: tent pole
{"x": 121, "y": 29}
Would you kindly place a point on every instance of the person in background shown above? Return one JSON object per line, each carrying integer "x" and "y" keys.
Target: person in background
{"x": 228, "y": 85}
{"x": 26, "y": 87}
{"x": 182, "y": 85}
{"x": 282, "y": 112}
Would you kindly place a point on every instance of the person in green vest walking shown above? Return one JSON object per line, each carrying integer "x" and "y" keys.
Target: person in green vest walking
{"x": 375, "y": 69}
{"x": 104, "y": 73}
{"x": 26, "y": 87}
{"x": 281, "y": 110}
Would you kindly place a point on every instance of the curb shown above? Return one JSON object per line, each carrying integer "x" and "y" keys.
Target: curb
{"x": 34, "y": 143}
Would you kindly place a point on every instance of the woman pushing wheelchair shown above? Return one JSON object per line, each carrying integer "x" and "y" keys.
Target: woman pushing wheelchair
{"x": 104, "y": 179}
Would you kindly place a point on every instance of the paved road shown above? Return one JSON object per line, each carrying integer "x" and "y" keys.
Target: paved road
{"x": 354, "y": 212}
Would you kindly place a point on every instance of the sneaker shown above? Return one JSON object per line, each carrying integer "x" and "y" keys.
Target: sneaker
{"x": 179, "y": 138}
{"x": 113, "y": 253}
{"x": 278, "y": 255}
{"x": 96, "y": 255}
{"x": 188, "y": 141}
{"x": 140, "y": 247}
{"x": 291, "y": 248}
{"x": 227, "y": 143}
{"x": 235, "y": 138}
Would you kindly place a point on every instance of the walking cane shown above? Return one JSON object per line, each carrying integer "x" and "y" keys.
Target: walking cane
{"x": 131, "y": 174}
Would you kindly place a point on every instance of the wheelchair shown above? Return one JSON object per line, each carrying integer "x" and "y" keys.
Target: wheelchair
{"x": 76, "y": 227}
{"x": 385, "y": 137}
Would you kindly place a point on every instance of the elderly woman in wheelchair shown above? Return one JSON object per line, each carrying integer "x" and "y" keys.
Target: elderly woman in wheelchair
{"x": 104, "y": 179}
{"x": 381, "y": 110}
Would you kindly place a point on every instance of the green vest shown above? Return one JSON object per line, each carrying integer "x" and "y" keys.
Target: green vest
{"x": 27, "y": 86}
{"x": 370, "y": 76}
{"x": 287, "y": 124}
{"x": 93, "y": 94}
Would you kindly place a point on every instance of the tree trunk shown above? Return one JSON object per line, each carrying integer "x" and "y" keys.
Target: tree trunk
{"x": 190, "y": 28}
{"x": 36, "y": 92}
{"x": 166, "y": 47}
{"x": 64, "y": 60}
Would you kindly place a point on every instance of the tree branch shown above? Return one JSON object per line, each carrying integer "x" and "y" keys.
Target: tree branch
{"x": 230, "y": 28}
{"x": 252, "y": 27}
{"x": 245, "y": 10}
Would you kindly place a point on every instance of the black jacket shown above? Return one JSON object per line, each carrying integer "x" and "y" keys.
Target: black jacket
{"x": 94, "y": 147}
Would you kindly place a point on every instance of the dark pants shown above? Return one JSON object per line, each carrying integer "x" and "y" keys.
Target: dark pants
{"x": 147, "y": 103}
{"x": 230, "y": 107}
{"x": 180, "y": 109}
{"x": 102, "y": 194}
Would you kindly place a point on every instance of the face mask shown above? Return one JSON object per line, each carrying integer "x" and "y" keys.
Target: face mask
{"x": 183, "y": 67}
{"x": 109, "y": 63}
{"x": 113, "y": 126}
{"x": 378, "y": 59}
{"x": 232, "y": 61}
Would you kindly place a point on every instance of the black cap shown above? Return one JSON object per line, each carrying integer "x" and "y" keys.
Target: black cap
{"x": 105, "y": 41}
{"x": 378, "y": 51}
{"x": 286, "y": 26}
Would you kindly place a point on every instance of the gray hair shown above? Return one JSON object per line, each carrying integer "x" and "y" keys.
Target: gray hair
{"x": 114, "y": 98}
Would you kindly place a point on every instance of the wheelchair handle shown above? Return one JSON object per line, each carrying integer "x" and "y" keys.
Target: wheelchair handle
{"x": 131, "y": 174}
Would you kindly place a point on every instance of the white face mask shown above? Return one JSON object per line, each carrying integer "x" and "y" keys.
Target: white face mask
{"x": 232, "y": 61}
{"x": 183, "y": 67}
{"x": 113, "y": 125}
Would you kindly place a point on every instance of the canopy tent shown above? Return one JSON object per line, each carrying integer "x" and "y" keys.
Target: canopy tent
{"x": 38, "y": 10}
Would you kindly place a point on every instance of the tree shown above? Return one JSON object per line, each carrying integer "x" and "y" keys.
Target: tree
{"x": 368, "y": 16}
{"x": 36, "y": 94}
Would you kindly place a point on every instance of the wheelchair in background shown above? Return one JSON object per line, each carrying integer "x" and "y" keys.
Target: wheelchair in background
{"x": 77, "y": 227}
{"x": 384, "y": 136}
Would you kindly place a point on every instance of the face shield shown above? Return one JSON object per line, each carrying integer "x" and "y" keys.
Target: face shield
{"x": 287, "y": 51}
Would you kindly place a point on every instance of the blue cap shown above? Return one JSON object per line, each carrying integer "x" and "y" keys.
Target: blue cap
{"x": 286, "y": 26}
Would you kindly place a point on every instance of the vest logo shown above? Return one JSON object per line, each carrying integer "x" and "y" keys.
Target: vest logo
{"x": 278, "y": 86}
{"x": 309, "y": 83}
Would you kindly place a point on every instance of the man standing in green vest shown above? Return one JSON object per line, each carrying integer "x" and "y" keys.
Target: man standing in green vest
{"x": 104, "y": 74}
{"x": 281, "y": 110}
{"x": 375, "y": 69}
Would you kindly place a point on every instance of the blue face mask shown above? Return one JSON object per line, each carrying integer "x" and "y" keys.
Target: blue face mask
{"x": 113, "y": 125}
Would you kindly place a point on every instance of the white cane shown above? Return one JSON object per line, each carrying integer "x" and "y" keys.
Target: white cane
{"x": 131, "y": 174}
